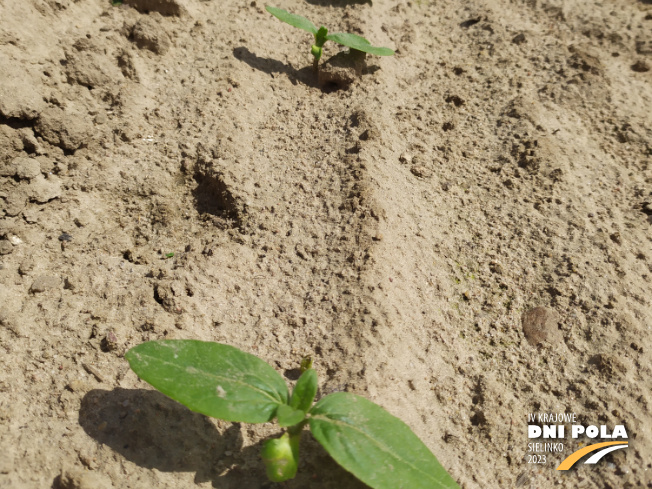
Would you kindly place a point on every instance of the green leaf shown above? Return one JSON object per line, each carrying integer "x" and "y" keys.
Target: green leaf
{"x": 357, "y": 42}
{"x": 281, "y": 457}
{"x": 288, "y": 416}
{"x": 210, "y": 378}
{"x": 292, "y": 19}
{"x": 347, "y": 39}
{"x": 304, "y": 391}
{"x": 376, "y": 447}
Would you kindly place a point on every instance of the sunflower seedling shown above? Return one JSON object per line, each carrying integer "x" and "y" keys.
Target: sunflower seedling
{"x": 224, "y": 382}
{"x": 352, "y": 41}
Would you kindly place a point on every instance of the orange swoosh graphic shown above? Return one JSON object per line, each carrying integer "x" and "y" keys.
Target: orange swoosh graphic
{"x": 575, "y": 456}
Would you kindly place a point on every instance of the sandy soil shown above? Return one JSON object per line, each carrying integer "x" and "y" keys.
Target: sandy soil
{"x": 398, "y": 230}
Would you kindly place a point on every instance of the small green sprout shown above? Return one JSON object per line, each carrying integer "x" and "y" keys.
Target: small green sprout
{"x": 169, "y": 255}
{"x": 306, "y": 363}
{"x": 224, "y": 382}
{"x": 352, "y": 41}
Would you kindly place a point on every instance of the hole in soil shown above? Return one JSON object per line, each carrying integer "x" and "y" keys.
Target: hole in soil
{"x": 293, "y": 374}
{"x": 157, "y": 297}
{"x": 333, "y": 86}
{"x": 15, "y": 122}
{"x": 454, "y": 99}
{"x": 478, "y": 419}
{"x": 213, "y": 197}
{"x": 468, "y": 23}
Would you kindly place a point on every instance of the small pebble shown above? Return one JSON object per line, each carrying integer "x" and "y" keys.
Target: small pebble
{"x": 43, "y": 190}
{"x": 26, "y": 168}
{"x": 75, "y": 478}
{"x": 540, "y": 327}
{"x": 77, "y": 385}
{"x": 164, "y": 7}
{"x": 405, "y": 158}
{"x": 6, "y": 247}
{"x": 109, "y": 342}
{"x": 420, "y": 171}
{"x": 148, "y": 34}
{"x": 43, "y": 283}
{"x": 15, "y": 202}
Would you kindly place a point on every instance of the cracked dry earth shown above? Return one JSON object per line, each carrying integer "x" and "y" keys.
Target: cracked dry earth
{"x": 400, "y": 229}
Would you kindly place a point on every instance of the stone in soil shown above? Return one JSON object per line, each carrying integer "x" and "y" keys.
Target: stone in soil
{"x": 43, "y": 283}
{"x": 163, "y": 7}
{"x": 43, "y": 190}
{"x": 6, "y": 247}
{"x": 64, "y": 128}
{"x": 148, "y": 34}
{"x": 75, "y": 478}
{"x": 15, "y": 202}
{"x": 540, "y": 327}
{"x": 26, "y": 168}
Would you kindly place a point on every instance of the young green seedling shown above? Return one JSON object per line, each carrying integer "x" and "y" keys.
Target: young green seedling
{"x": 226, "y": 383}
{"x": 352, "y": 41}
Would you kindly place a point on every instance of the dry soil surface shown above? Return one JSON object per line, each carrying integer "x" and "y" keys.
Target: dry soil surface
{"x": 399, "y": 229}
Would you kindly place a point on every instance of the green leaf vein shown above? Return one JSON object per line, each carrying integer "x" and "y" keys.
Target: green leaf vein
{"x": 219, "y": 377}
{"x": 382, "y": 446}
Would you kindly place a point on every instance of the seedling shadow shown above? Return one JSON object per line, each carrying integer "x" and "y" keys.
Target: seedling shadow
{"x": 155, "y": 432}
{"x": 305, "y": 76}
